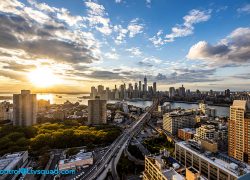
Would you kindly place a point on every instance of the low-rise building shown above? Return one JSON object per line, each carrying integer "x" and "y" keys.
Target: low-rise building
{"x": 177, "y": 120}
{"x": 186, "y": 133}
{"x": 12, "y": 161}
{"x": 161, "y": 168}
{"x": 79, "y": 160}
{"x": 118, "y": 118}
{"x": 205, "y": 132}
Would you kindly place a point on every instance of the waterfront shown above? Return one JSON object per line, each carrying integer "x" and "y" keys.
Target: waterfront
{"x": 61, "y": 98}
{"x": 220, "y": 111}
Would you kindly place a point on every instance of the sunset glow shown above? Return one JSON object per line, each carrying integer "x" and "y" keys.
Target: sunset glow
{"x": 43, "y": 77}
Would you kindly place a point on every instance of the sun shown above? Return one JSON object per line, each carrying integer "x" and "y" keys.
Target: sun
{"x": 43, "y": 77}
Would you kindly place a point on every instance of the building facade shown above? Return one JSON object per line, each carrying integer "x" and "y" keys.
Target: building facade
{"x": 178, "y": 120}
{"x": 239, "y": 131}
{"x": 97, "y": 111}
{"x": 209, "y": 166}
{"x": 24, "y": 108}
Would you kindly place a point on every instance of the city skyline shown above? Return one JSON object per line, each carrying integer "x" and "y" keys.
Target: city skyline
{"x": 70, "y": 46}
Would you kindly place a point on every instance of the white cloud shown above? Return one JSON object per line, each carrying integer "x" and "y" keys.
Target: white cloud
{"x": 135, "y": 51}
{"x": 118, "y": 1}
{"x": 10, "y": 6}
{"x": 244, "y": 9}
{"x": 134, "y": 27}
{"x": 42, "y": 6}
{"x": 64, "y": 15}
{"x": 194, "y": 16}
{"x": 95, "y": 9}
{"x": 122, "y": 32}
{"x": 112, "y": 55}
{"x": 152, "y": 59}
{"x": 234, "y": 49}
{"x": 97, "y": 18}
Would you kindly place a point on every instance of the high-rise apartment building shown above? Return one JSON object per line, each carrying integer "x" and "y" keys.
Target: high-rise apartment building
{"x": 24, "y": 108}
{"x": 6, "y": 111}
{"x": 97, "y": 111}
{"x": 239, "y": 131}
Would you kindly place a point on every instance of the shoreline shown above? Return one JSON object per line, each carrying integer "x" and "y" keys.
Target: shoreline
{"x": 186, "y": 102}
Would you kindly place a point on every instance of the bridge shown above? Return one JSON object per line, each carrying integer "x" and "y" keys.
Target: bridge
{"x": 111, "y": 157}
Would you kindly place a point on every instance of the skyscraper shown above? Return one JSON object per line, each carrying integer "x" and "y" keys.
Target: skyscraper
{"x": 24, "y": 108}
{"x": 140, "y": 88}
{"x": 154, "y": 87}
{"x": 171, "y": 91}
{"x": 182, "y": 91}
{"x": 97, "y": 111}
{"x": 93, "y": 93}
{"x": 100, "y": 89}
{"x": 239, "y": 131}
{"x": 145, "y": 83}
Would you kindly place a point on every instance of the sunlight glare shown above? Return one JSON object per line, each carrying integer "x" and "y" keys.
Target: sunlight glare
{"x": 43, "y": 77}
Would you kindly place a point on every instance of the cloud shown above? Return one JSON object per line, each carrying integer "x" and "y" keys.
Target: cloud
{"x": 19, "y": 76}
{"x": 244, "y": 9}
{"x": 46, "y": 37}
{"x": 135, "y": 27}
{"x": 111, "y": 55}
{"x": 118, "y": 1}
{"x": 187, "y": 28}
{"x": 234, "y": 49}
{"x": 18, "y": 67}
{"x": 135, "y": 51}
{"x": 188, "y": 76}
{"x": 150, "y": 61}
{"x": 97, "y": 18}
{"x": 243, "y": 76}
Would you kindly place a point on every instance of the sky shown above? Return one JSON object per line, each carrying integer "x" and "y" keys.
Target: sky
{"x": 71, "y": 45}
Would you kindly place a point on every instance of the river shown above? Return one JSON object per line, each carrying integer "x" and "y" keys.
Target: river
{"x": 61, "y": 98}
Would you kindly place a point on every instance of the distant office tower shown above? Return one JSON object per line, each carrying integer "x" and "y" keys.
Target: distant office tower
{"x": 182, "y": 91}
{"x": 143, "y": 88}
{"x": 93, "y": 93}
{"x": 24, "y": 108}
{"x": 100, "y": 89}
{"x": 97, "y": 111}
{"x": 239, "y": 131}
{"x": 140, "y": 88}
{"x": 145, "y": 83}
{"x": 171, "y": 92}
{"x": 227, "y": 92}
{"x": 154, "y": 87}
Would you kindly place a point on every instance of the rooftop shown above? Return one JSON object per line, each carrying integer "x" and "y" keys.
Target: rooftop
{"x": 241, "y": 104}
{"x": 8, "y": 161}
{"x": 78, "y": 157}
{"x": 180, "y": 113}
{"x": 169, "y": 168}
{"x": 228, "y": 164}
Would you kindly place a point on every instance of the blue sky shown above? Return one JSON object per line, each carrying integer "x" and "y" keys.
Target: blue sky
{"x": 201, "y": 44}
